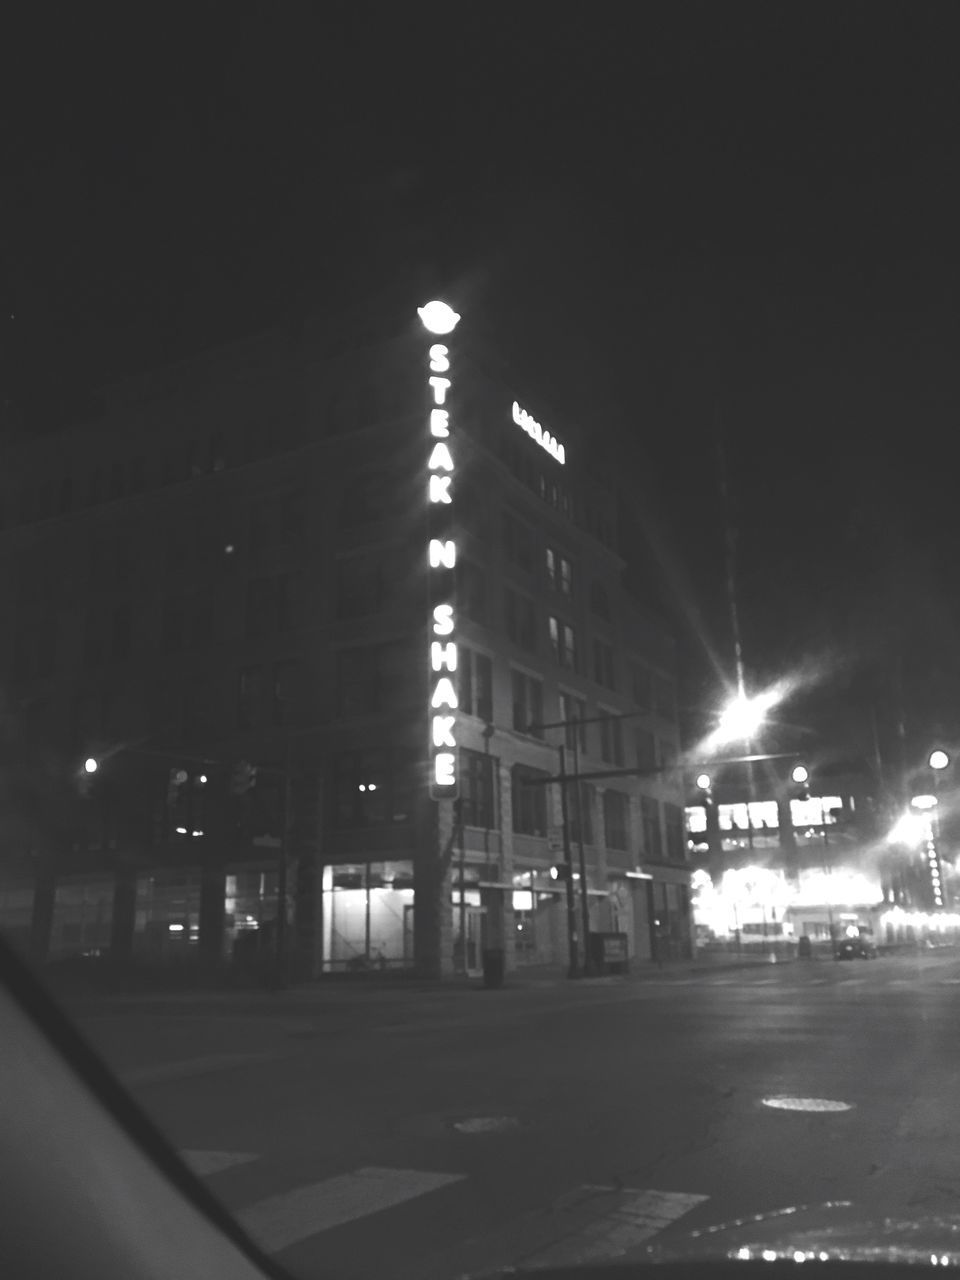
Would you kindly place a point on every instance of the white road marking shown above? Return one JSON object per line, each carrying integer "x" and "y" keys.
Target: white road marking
{"x": 638, "y": 1216}
{"x": 205, "y": 1163}
{"x": 282, "y": 1220}
{"x": 807, "y": 1104}
{"x": 158, "y": 1072}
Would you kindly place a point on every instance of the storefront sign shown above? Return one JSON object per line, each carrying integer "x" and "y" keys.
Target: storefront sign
{"x": 441, "y": 560}
{"x": 534, "y": 430}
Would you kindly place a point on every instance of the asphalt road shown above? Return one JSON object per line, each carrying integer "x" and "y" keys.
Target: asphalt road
{"x": 432, "y": 1134}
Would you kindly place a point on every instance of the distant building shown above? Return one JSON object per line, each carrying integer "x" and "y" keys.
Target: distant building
{"x": 240, "y": 565}
{"x": 775, "y": 860}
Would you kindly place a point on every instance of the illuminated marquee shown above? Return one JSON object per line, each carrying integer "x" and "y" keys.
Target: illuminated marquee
{"x": 534, "y": 430}
{"x": 438, "y": 318}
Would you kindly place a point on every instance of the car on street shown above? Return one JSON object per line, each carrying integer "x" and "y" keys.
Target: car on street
{"x": 856, "y": 949}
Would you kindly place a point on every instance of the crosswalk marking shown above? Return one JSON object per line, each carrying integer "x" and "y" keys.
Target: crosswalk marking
{"x": 205, "y": 1163}
{"x": 282, "y": 1220}
{"x": 638, "y": 1216}
{"x": 186, "y": 1067}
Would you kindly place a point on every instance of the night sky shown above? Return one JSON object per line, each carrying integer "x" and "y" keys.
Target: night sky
{"x": 690, "y": 225}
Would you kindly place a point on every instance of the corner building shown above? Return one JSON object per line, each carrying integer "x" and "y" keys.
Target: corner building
{"x": 241, "y": 564}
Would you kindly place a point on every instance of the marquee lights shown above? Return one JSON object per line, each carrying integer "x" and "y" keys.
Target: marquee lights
{"x": 439, "y": 318}
{"x": 534, "y": 430}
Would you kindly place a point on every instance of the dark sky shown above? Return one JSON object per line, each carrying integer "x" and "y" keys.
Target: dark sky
{"x": 685, "y": 221}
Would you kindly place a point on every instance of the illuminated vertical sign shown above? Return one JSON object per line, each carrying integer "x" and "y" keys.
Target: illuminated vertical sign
{"x": 439, "y": 319}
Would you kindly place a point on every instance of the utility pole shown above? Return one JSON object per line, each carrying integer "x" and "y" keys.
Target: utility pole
{"x": 574, "y": 971}
{"x": 584, "y": 899}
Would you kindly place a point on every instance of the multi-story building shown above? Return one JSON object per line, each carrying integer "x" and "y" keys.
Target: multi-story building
{"x": 247, "y": 561}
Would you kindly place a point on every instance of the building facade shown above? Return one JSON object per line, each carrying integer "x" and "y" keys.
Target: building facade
{"x": 310, "y": 615}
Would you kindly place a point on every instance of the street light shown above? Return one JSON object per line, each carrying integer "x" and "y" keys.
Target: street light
{"x": 90, "y": 765}
{"x": 703, "y": 781}
{"x": 800, "y": 774}
{"x": 938, "y": 759}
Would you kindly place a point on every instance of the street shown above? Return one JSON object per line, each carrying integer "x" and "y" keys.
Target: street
{"x": 448, "y": 1131}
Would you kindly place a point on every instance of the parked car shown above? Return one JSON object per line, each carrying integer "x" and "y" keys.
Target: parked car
{"x": 856, "y": 949}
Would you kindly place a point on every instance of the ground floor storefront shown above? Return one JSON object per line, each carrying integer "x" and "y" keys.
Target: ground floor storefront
{"x": 349, "y": 917}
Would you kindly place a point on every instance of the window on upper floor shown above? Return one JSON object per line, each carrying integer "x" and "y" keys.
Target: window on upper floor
{"x": 603, "y": 664}
{"x": 573, "y": 712}
{"x": 277, "y": 523}
{"x": 673, "y": 830}
{"x": 471, "y": 591}
{"x": 527, "y": 703}
{"x": 273, "y": 604}
{"x": 360, "y": 586}
{"x": 599, "y": 600}
{"x": 361, "y": 680}
{"x": 616, "y": 819}
{"x": 665, "y": 697}
{"x": 563, "y": 643}
{"x": 475, "y": 683}
{"x": 477, "y": 773}
{"x": 529, "y": 796}
{"x": 518, "y": 542}
{"x": 611, "y": 738}
{"x": 371, "y": 786}
{"x": 580, "y": 811}
{"x": 287, "y": 677}
{"x": 559, "y": 572}
{"x": 645, "y": 745}
{"x": 650, "y": 821}
{"x": 249, "y": 697}
{"x": 641, "y": 681}
{"x": 520, "y": 619}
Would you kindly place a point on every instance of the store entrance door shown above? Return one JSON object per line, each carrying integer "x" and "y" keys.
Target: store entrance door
{"x": 469, "y": 959}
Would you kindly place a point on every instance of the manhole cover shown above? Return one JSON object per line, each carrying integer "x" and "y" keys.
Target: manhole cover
{"x": 486, "y": 1124}
{"x": 807, "y": 1104}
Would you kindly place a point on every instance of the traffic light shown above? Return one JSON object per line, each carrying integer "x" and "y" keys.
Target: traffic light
{"x": 800, "y": 776}
{"x": 85, "y": 775}
{"x": 243, "y": 777}
{"x": 175, "y": 784}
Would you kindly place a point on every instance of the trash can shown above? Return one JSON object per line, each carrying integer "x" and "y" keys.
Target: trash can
{"x": 804, "y": 948}
{"x": 493, "y": 963}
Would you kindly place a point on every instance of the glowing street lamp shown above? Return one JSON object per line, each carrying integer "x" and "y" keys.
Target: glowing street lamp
{"x": 90, "y": 765}
{"x": 743, "y": 716}
{"x": 703, "y": 781}
{"x": 438, "y": 317}
{"x": 938, "y": 759}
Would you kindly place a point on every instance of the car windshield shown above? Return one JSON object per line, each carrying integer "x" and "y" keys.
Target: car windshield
{"x": 478, "y": 682}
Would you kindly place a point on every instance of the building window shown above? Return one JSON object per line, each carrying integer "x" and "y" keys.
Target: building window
{"x": 642, "y": 687}
{"x": 603, "y": 664}
{"x": 476, "y": 789}
{"x": 359, "y": 587}
{"x": 673, "y": 827}
{"x": 360, "y": 680}
{"x": 669, "y": 753}
{"x": 559, "y": 572}
{"x": 475, "y": 681}
{"x": 599, "y": 600}
{"x": 650, "y": 819}
{"x": 364, "y": 500}
{"x": 527, "y": 704}
{"x": 520, "y": 616}
{"x": 584, "y": 834}
{"x": 272, "y": 605}
{"x": 529, "y": 801}
{"x": 277, "y": 523}
{"x": 664, "y": 697}
{"x": 287, "y": 690}
{"x": 471, "y": 591}
{"x": 646, "y": 747}
{"x": 517, "y": 542}
{"x": 362, "y": 786}
{"x": 36, "y": 648}
{"x": 573, "y": 713}
{"x": 563, "y": 643}
{"x": 611, "y": 739}
{"x": 616, "y": 820}
{"x": 249, "y": 697}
